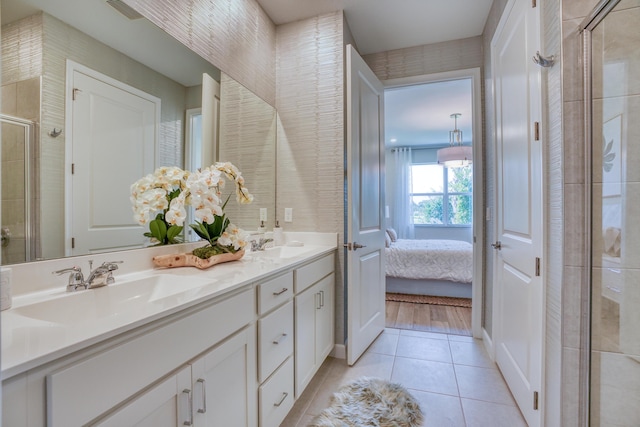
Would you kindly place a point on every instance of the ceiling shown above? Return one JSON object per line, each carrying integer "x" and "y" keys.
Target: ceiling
{"x": 381, "y": 25}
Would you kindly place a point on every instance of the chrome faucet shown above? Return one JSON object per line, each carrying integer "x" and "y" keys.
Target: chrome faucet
{"x": 103, "y": 272}
{"x": 259, "y": 244}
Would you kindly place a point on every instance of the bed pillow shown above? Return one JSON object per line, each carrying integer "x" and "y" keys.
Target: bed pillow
{"x": 387, "y": 240}
{"x": 392, "y": 234}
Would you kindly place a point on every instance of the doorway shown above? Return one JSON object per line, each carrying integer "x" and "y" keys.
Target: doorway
{"x": 437, "y": 206}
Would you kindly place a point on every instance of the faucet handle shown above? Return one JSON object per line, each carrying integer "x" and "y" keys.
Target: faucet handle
{"x": 75, "y": 278}
{"x": 111, "y": 265}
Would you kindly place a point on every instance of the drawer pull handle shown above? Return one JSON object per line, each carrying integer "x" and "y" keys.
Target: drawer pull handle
{"x": 276, "y": 342}
{"x": 202, "y": 382}
{"x": 189, "y": 421}
{"x": 284, "y": 396}
{"x": 321, "y": 299}
{"x": 317, "y": 301}
{"x": 275, "y": 294}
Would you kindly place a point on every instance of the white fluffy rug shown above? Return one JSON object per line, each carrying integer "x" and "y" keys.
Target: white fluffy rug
{"x": 371, "y": 402}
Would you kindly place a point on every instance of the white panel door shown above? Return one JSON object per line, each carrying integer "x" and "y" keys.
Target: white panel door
{"x": 365, "y": 200}
{"x": 518, "y": 285}
{"x": 114, "y": 132}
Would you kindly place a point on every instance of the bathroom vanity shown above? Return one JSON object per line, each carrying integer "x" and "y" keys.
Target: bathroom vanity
{"x": 234, "y": 345}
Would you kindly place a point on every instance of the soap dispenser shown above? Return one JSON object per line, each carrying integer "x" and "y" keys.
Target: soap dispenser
{"x": 262, "y": 228}
{"x": 278, "y": 237}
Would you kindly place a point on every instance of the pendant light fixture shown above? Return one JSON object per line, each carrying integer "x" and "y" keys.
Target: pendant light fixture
{"x": 456, "y": 154}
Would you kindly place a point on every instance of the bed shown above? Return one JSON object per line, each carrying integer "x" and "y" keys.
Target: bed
{"x": 429, "y": 267}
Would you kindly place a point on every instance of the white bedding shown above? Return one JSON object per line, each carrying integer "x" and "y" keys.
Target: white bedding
{"x": 430, "y": 259}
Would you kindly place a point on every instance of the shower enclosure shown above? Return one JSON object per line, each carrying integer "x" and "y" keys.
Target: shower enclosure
{"x": 611, "y": 38}
{"x": 17, "y": 243}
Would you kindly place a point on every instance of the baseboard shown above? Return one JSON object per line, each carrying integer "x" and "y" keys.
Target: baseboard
{"x": 488, "y": 344}
{"x": 339, "y": 351}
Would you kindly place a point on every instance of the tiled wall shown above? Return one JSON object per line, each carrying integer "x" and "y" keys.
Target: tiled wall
{"x": 248, "y": 140}
{"x": 310, "y": 104}
{"x": 427, "y": 59}
{"x": 236, "y": 36}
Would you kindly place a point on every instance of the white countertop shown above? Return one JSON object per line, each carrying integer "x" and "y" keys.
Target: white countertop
{"x": 29, "y": 341}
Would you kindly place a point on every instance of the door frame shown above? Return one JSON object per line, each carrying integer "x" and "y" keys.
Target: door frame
{"x": 71, "y": 68}
{"x": 478, "y": 182}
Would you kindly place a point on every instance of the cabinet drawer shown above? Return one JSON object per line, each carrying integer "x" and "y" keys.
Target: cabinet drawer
{"x": 275, "y": 338}
{"x": 274, "y": 292}
{"x": 311, "y": 273}
{"x": 276, "y": 396}
{"x": 159, "y": 351}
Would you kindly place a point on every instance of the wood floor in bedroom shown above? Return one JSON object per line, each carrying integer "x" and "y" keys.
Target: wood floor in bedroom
{"x": 442, "y": 319}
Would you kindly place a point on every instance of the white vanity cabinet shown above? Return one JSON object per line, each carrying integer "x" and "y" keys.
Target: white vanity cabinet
{"x": 93, "y": 386}
{"x": 275, "y": 349}
{"x": 216, "y": 389}
{"x": 314, "y": 315}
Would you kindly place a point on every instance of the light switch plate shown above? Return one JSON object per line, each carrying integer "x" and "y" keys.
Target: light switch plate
{"x": 263, "y": 214}
{"x": 288, "y": 214}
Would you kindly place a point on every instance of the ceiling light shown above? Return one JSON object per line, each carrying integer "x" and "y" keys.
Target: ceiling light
{"x": 456, "y": 154}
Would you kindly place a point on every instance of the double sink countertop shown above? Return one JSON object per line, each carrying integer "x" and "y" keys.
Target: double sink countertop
{"x": 50, "y": 323}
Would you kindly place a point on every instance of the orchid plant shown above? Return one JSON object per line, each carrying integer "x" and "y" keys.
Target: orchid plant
{"x": 168, "y": 191}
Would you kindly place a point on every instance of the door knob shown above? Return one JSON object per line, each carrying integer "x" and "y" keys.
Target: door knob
{"x": 497, "y": 245}
{"x": 353, "y": 246}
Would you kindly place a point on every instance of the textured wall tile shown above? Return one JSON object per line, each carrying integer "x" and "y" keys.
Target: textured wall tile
{"x": 237, "y": 37}
{"x": 427, "y": 59}
{"x": 310, "y": 104}
{"x": 248, "y": 140}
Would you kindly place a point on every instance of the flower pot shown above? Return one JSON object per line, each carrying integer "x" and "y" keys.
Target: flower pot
{"x": 190, "y": 260}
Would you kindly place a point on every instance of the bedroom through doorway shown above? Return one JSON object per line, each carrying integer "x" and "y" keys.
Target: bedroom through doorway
{"x": 431, "y": 267}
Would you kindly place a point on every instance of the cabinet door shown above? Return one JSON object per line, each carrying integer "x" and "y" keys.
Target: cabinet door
{"x": 224, "y": 383}
{"x": 167, "y": 404}
{"x": 324, "y": 319}
{"x": 306, "y": 305}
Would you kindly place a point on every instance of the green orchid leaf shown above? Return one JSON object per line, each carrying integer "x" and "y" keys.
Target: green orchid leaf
{"x": 173, "y": 232}
{"x": 158, "y": 229}
{"x": 201, "y": 230}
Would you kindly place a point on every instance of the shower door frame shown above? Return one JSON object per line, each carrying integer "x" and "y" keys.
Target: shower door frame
{"x": 29, "y": 128}
{"x": 592, "y": 20}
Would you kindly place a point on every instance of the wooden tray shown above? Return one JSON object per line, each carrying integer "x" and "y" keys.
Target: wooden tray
{"x": 190, "y": 260}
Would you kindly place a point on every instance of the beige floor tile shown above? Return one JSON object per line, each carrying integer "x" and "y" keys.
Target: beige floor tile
{"x": 423, "y": 334}
{"x": 483, "y": 384}
{"x": 424, "y": 348}
{"x": 386, "y": 343}
{"x": 470, "y": 353}
{"x": 439, "y": 410}
{"x": 463, "y": 338}
{"x": 305, "y": 421}
{"x": 425, "y": 375}
{"x": 486, "y": 414}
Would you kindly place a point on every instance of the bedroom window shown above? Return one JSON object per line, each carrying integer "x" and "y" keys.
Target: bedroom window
{"x": 441, "y": 196}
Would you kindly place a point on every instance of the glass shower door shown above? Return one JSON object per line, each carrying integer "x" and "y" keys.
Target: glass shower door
{"x": 17, "y": 196}
{"x": 615, "y": 218}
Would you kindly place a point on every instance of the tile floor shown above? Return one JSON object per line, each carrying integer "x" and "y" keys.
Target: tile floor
{"x": 458, "y": 385}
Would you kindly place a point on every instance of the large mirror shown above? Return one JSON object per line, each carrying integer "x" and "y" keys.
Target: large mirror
{"x": 49, "y": 48}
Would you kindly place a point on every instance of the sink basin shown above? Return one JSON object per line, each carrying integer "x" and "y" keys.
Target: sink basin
{"x": 282, "y": 252}
{"x": 128, "y": 296}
